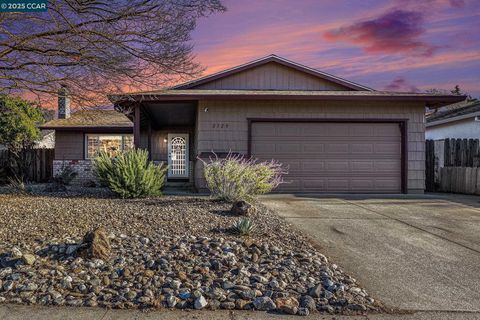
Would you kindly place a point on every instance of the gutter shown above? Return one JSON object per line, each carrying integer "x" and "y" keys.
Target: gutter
{"x": 452, "y": 119}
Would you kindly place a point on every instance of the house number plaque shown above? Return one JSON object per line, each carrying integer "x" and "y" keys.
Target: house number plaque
{"x": 220, "y": 126}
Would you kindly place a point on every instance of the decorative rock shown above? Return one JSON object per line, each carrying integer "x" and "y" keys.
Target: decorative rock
{"x": 16, "y": 253}
{"x": 171, "y": 301}
{"x": 227, "y": 305}
{"x": 28, "y": 259}
{"x": 288, "y": 305}
{"x": 308, "y": 302}
{"x": 303, "y": 312}
{"x": 264, "y": 304}
{"x": 95, "y": 245}
{"x": 8, "y": 285}
{"x": 184, "y": 295}
{"x": 71, "y": 249}
{"x": 316, "y": 291}
{"x": 242, "y": 208}
{"x": 241, "y": 303}
{"x": 200, "y": 303}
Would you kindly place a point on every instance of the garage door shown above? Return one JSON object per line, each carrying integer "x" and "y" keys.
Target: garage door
{"x": 332, "y": 157}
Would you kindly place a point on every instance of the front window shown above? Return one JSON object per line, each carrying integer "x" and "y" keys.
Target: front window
{"x": 109, "y": 143}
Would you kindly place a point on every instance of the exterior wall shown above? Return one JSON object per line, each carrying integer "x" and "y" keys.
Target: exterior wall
{"x": 272, "y": 76}
{"x": 69, "y": 145}
{"x": 462, "y": 129}
{"x": 82, "y": 167}
{"x": 224, "y": 127}
{"x": 159, "y": 150}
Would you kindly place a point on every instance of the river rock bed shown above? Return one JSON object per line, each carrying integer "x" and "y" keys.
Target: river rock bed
{"x": 170, "y": 252}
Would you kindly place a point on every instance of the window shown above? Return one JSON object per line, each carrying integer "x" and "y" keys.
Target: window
{"x": 110, "y": 143}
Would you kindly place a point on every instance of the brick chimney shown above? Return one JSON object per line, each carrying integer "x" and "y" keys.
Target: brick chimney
{"x": 63, "y": 102}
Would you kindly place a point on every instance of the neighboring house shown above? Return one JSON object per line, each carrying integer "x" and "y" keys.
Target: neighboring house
{"x": 463, "y": 122}
{"x": 47, "y": 140}
{"x": 333, "y": 134}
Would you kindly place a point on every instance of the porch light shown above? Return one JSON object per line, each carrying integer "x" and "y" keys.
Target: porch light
{"x": 165, "y": 140}
{"x": 206, "y": 109}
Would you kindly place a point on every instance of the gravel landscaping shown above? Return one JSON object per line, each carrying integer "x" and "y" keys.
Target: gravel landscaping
{"x": 173, "y": 252}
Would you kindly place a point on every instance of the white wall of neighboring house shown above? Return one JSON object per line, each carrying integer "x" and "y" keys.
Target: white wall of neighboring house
{"x": 461, "y": 129}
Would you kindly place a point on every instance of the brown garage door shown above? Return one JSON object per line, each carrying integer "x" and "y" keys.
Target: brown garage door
{"x": 332, "y": 157}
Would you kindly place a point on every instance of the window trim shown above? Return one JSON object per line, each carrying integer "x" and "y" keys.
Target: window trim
{"x": 87, "y": 135}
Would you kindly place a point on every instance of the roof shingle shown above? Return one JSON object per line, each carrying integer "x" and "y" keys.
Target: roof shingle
{"x": 91, "y": 118}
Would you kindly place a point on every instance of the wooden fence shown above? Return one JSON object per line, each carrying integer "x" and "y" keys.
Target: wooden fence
{"x": 459, "y": 180}
{"x": 461, "y": 153}
{"x": 41, "y": 168}
{"x": 452, "y": 165}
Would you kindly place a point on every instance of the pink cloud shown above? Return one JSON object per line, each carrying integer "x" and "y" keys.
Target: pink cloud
{"x": 393, "y": 32}
{"x": 400, "y": 84}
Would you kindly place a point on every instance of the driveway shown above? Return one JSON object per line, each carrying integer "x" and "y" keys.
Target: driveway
{"x": 419, "y": 253}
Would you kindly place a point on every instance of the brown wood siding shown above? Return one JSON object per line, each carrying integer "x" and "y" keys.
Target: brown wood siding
{"x": 69, "y": 145}
{"x": 225, "y": 127}
{"x": 271, "y": 76}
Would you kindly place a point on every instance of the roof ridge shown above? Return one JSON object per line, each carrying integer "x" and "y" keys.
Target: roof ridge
{"x": 273, "y": 58}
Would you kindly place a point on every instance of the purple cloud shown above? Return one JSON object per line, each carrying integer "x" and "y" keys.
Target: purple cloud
{"x": 395, "y": 31}
{"x": 399, "y": 84}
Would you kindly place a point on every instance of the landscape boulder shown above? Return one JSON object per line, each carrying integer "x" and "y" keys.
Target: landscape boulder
{"x": 242, "y": 208}
{"x": 95, "y": 245}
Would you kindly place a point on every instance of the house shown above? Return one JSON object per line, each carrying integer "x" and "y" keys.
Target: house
{"x": 80, "y": 136}
{"x": 333, "y": 134}
{"x": 460, "y": 122}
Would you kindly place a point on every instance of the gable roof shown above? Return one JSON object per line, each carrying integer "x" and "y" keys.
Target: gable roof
{"x": 268, "y": 59}
{"x": 469, "y": 110}
{"x": 90, "y": 119}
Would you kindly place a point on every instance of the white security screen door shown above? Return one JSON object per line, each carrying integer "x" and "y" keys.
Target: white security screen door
{"x": 178, "y": 155}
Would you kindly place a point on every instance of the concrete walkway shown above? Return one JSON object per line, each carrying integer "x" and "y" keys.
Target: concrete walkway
{"x": 20, "y": 312}
{"x": 417, "y": 253}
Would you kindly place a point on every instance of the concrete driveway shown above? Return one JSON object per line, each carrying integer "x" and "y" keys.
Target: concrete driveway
{"x": 419, "y": 253}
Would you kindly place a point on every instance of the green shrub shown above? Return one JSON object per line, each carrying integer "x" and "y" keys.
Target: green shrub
{"x": 236, "y": 178}
{"x": 130, "y": 174}
{"x": 244, "y": 226}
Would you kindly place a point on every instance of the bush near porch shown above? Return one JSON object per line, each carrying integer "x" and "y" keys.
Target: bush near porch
{"x": 130, "y": 174}
{"x": 238, "y": 178}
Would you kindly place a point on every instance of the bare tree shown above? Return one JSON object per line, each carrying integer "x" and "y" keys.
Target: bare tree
{"x": 97, "y": 47}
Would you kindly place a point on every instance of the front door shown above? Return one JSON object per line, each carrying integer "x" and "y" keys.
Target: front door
{"x": 178, "y": 155}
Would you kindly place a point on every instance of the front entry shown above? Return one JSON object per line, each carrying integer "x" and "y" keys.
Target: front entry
{"x": 178, "y": 155}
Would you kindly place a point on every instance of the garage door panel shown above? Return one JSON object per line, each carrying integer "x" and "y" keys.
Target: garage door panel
{"x": 337, "y": 184}
{"x": 332, "y": 157}
{"x": 365, "y": 166}
{"x": 386, "y": 130}
{"x": 336, "y": 147}
{"x": 362, "y": 148}
{"x": 387, "y": 148}
{"x": 338, "y": 165}
{"x": 361, "y": 130}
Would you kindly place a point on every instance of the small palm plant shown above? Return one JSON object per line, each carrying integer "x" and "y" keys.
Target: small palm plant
{"x": 244, "y": 226}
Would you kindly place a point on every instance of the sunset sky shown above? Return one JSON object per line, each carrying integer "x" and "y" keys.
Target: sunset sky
{"x": 397, "y": 45}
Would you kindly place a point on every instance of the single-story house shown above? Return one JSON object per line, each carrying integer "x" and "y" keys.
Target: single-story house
{"x": 459, "y": 122}
{"x": 334, "y": 135}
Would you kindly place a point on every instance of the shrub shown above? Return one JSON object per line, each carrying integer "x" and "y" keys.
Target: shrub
{"x": 237, "y": 178}
{"x": 130, "y": 174}
{"x": 17, "y": 186}
{"x": 244, "y": 226}
{"x": 65, "y": 175}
